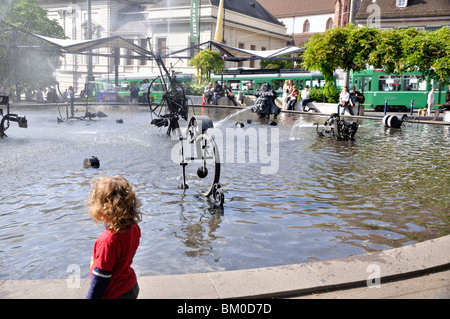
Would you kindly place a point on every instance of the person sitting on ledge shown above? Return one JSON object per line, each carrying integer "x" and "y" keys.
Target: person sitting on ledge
{"x": 218, "y": 91}
{"x": 230, "y": 94}
{"x": 443, "y": 107}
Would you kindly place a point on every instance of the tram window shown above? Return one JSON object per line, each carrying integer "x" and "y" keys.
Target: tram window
{"x": 318, "y": 83}
{"x": 124, "y": 86}
{"x": 412, "y": 83}
{"x": 363, "y": 83}
{"x": 277, "y": 84}
{"x": 389, "y": 83}
{"x": 367, "y": 83}
{"x": 235, "y": 85}
{"x": 248, "y": 85}
{"x": 156, "y": 87}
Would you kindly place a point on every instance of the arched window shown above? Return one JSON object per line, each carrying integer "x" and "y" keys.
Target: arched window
{"x": 329, "y": 24}
{"x": 306, "y": 26}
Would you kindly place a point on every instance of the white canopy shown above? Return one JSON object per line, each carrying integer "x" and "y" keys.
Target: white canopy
{"x": 241, "y": 54}
{"x": 229, "y": 53}
{"x": 235, "y": 54}
{"x": 79, "y": 46}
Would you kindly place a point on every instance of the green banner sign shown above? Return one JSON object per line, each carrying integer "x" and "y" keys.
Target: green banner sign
{"x": 195, "y": 28}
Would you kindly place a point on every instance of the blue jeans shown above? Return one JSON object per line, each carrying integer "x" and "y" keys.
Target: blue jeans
{"x": 216, "y": 97}
{"x": 348, "y": 107}
{"x": 304, "y": 102}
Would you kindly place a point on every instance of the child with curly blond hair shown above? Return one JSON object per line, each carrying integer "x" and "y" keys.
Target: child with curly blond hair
{"x": 114, "y": 202}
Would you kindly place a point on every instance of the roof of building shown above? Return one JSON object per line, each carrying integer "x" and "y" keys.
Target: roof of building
{"x": 414, "y": 9}
{"x": 291, "y": 8}
{"x": 129, "y": 20}
{"x": 247, "y": 7}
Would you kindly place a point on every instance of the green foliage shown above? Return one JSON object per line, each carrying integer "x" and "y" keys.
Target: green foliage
{"x": 387, "y": 52}
{"x": 25, "y": 68}
{"x": 396, "y": 51}
{"x": 277, "y": 64}
{"x": 195, "y": 89}
{"x": 207, "y": 62}
{"x": 429, "y": 53}
{"x": 316, "y": 95}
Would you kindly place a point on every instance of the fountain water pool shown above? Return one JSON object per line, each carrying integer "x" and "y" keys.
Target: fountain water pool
{"x": 327, "y": 199}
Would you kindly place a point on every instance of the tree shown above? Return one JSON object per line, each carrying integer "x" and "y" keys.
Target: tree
{"x": 346, "y": 48}
{"x": 429, "y": 53}
{"x": 207, "y": 62}
{"x": 323, "y": 52}
{"x": 389, "y": 49}
{"x": 396, "y": 51}
{"x": 22, "y": 67}
{"x": 277, "y": 64}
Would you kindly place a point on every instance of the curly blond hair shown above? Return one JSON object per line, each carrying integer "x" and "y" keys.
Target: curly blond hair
{"x": 114, "y": 202}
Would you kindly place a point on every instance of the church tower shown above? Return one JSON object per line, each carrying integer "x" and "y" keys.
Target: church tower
{"x": 342, "y": 11}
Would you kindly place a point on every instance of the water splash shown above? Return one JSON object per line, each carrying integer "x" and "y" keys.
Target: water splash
{"x": 298, "y": 126}
{"x": 219, "y": 123}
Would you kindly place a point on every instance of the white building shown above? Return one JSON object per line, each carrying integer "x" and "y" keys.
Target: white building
{"x": 166, "y": 23}
{"x": 400, "y": 14}
{"x": 303, "y": 18}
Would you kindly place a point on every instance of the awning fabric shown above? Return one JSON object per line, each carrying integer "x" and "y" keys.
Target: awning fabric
{"x": 229, "y": 53}
{"x": 235, "y": 54}
{"x": 79, "y": 46}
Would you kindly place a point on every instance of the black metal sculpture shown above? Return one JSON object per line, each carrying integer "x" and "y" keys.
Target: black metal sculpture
{"x": 172, "y": 100}
{"x": 338, "y": 128}
{"x": 8, "y": 117}
{"x": 200, "y": 146}
{"x": 265, "y": 102}
{"x": 70, "y": 107}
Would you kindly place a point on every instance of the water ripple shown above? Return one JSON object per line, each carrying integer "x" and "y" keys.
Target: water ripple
{"x": 387, "y": 189}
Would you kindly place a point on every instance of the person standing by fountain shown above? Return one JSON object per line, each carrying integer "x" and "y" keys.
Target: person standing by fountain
{"x": 114, "y": 202}
{"x": 134, "y": 94}
{"x": 71, "y": 100}
{"x": 145, "y": 86}
{"x": 286, "y": 89}
{"x": 430, "y": 101}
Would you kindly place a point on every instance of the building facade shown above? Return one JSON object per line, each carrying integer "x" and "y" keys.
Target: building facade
{"x": 394, "y": 14}
{"x": 303, "y": 18}
{"x": 162, "y": 26}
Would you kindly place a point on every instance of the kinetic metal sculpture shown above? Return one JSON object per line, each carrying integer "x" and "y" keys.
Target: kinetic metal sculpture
{"x": 201, "y": 146}
{"x": 265, "y": 102}
{"x": 70, "y": 107}
{"x": 338, "y": 128}
{"x": 8, "y": 117}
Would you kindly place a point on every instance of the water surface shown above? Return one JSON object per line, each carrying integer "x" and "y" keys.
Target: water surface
{"x": 327, "y": 199}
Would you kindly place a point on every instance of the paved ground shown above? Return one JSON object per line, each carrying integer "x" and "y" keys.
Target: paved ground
{"x": 433, "y": 285}
{"x": 420, "y": 270}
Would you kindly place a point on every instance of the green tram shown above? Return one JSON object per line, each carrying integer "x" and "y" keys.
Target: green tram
{"x": 105, "y": 85}
{"x": 398, "y": 91}
{"x": 250, "y": 80}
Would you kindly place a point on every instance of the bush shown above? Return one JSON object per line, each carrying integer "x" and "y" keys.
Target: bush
{"x": 316, "y": 95}
{"x": 331, "y": 94}
{"x": 195, "y": 88}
